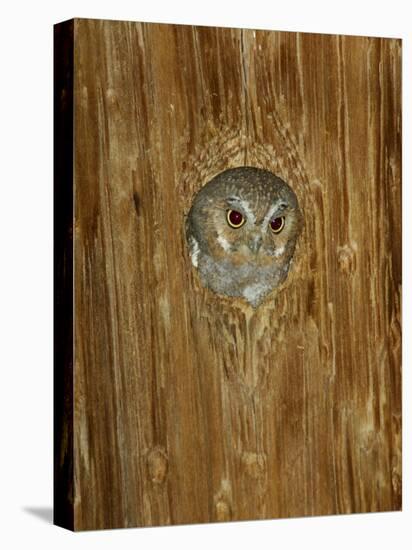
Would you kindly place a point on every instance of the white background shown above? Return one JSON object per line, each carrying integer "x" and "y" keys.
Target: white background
{"x": 26, "y": 273}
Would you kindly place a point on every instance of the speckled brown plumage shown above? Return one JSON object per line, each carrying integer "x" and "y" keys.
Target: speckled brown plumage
{"x": 249, "y": 261}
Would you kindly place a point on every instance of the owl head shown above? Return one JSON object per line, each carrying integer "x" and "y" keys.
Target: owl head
{"x": 242, "y": 230}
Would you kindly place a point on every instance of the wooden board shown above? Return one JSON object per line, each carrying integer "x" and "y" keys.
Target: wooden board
{"x": 176, "y": 405}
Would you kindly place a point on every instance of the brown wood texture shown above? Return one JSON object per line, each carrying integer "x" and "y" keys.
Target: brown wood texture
{"x": 190, "y": 407}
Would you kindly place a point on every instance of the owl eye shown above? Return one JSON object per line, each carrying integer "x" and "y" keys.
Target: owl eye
{"x": 235, "y": 219}
{"x": 277, "y": 224}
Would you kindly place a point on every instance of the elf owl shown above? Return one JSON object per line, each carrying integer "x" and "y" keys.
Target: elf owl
{"x": 241, "y": 231}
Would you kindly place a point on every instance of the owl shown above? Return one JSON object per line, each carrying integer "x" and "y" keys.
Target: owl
{"x": 241, "y": 232}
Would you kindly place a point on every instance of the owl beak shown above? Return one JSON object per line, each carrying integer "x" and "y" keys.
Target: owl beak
{"x": 255, "y": 244}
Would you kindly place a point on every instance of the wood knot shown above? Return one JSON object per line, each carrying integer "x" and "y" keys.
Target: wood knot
{"x": 111, "y": 97}
{"x": 254, "y": 464}
{"x": 346, "y": 259}
{"x": 396, "y": 482}
{"x": 223, "y": 512}
{"x": 223, "y": 497}
{"x": 157, "y": 465}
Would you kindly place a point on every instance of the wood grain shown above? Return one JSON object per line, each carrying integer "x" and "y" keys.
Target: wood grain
{"x": 191, "y": 407}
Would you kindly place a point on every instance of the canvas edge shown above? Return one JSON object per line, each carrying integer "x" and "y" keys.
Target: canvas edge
{"x": 63, "y": 472}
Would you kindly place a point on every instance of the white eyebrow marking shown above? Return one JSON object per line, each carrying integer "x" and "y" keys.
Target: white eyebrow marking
{"x": 272, "y": 210}
{"x": 246, "y": 207}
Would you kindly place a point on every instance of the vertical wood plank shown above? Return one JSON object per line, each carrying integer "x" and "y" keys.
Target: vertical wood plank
{"x": 191, "y": 407}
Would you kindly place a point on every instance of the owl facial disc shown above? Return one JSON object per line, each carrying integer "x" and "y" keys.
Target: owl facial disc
{"x": 241, "y": 232}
